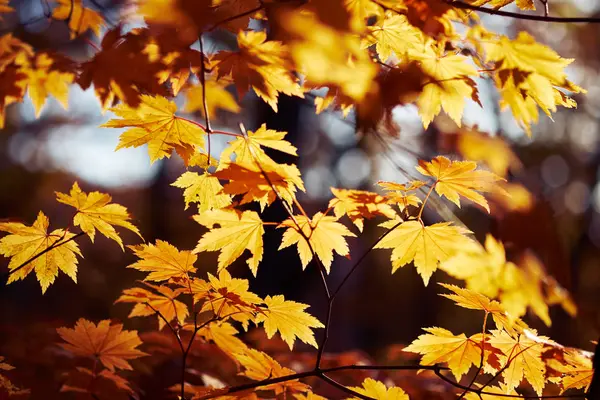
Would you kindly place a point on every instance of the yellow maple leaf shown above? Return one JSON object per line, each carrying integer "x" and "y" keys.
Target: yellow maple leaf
{"x": 225, "y": 296}
{"x": 249, "y": 180}
{"x": 259, "y": 366}
{"x": 26, "y": 243}
{"x": 289, "y": 319}
{"x": 451, "y": 83}
{"x": 496, "y": 4}
{"x": 378, "y": 391}
{"x": 217, "y": 98}
{"x": 472, "y": 300}
{"x": 260, "y": 64}
{"x": 529, "y": 75}
{"x": 401, "y": 193}
{"x": 223, "y": 334}
{"x": 205, "y": 189}
{"x": 440, "y": 345}
{"x": 154, "y": 123}
{"x": 459, "y": 178}
{"x": 522, "y": 354}
{"x": 95, "y": 211}
{"x": 150, "y": 303}
{"x": 578, "y": 371}
{"x": 359, "y": 204}
{"x": 163, "y": 261}
{"x": 493, "y": 150}
{"x": 329, "y": 57}
{"x": 426, "y": 246}
{"x": 325, "y": 234}
{"x": 46, "y": 76}
{"x": 80, "y": 18}
{"x": 248, "y": 150}
{"x": 238, "y": 232}
{"x": 393, "y": 34}
{"x": 109, "y": 344}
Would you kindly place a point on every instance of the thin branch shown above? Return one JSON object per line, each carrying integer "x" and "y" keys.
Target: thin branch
{"x": 234, "y": 17}
{"x": 54, "y": 245}
{"x": 175, "y": 333}
{"x": 320, "y": 266}
{"x": 361, "y": 259}
{"x": 512, "y": 396}
{"x": 528, "y": 17}
{"x": 319, "y": 373}
{"x": 203, "y": 83}
{"x": 343, "y": 388}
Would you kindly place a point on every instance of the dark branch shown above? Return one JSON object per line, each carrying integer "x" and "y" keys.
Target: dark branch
{"x": 528, "y": 17}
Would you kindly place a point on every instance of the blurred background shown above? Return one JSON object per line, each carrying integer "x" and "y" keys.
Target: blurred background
{"x": 560, "y": 167}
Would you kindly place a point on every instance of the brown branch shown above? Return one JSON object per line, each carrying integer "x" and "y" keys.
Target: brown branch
{"x": 512, "y": 396}
{"x": 320, "y": 266}
{"x": 54, "y": 245}
{"x": 319, "y": 373}
{"x": 528, "y": 17}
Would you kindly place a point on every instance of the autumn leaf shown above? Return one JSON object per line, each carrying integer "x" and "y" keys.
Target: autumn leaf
{"x": 112, "y": 81}
{"x": 496, "y": 4}
{"x": 440, "y": 345}
{"x": 493, "y": 150}
{"x": 223, "y": 334}
{"x": 289, "y": 319}
{"x": 329, "y": 57}
{"x": 522, "y": 356}
{"x": 403, "y": 194}
{"x": 454, "y": 179}
{"x": 476, "y": 301}
{"x": 249, "y": 180}
{"x": 4, "y": 7}
{"x": 47, "y": 74}
{"x": 578, "y": 372}
{"x": 205, "y": 189}
{"x": 426, "y": 246}
{"x": 109, "y": 344}
{"x": 95, "y": 211}
{"x": 359, "y": 204}
{"x": 154, "y": 123}
{"x": 237, "y": 232}
{"x": 217, "y": 98}
{"x": 24, "y": 243}
{"x": 528, "y": 74}
{"x": 260, "y": 64}
{"x": 325, "y": 234}
{"x": 103, "y": 385}
{"x": 226, "y": 297}
{"x": 452, "y": 83}
{"x": 393, "y": 34}
{"x": 163, "y": 300}
{"x": 164, "y": 261}
{"x": 248, "y": 149}
{"x": 80, "y": 18}
{"x": 377, "y": 390}
{"x": 259, "y": 366}
{"x": 6, "y": 385}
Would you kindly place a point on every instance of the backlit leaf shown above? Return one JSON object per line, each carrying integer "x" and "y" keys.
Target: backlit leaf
{"x": 110, "y": 344}
{"x": 289, "y": 319}
{"x": 95, "y": 211}
{"x": 325, "y": 234}
{"x": 26, "y": 242}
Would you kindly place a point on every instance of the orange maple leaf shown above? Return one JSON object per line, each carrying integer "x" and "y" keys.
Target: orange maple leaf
{"x": 107, "y": 343}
